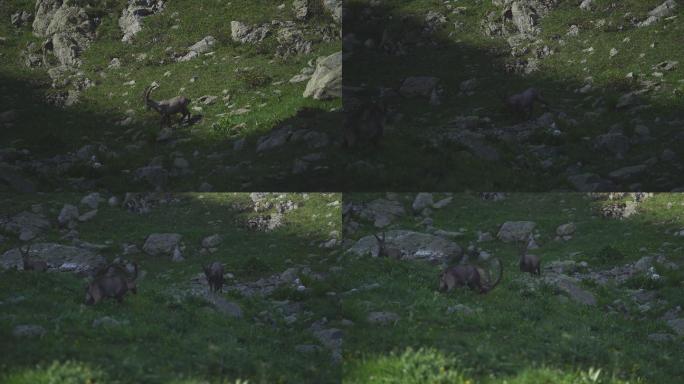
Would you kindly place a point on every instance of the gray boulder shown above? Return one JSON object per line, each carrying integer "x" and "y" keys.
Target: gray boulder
{"x": 326, "y": 81}
{"x": 212, "y": 241}
{"x": 68, "y": 213}
{"x": 161, "y": 243}
{"x": 414, "y": 246}
{"x": 246, "y": 34}
{"x": 130, "y": 21}
{"x": 422, "y": 201}
{"x": 27, "y": 225}
{"x": 382, "y": 318}
{"x": 515, "y": 231}
{"x": 63, "y": 257}
{"x": 422, "y": 86}
{"x": 28, "y": 330}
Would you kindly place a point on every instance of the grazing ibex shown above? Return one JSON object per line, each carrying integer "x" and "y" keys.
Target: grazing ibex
{"x": 169, "y": 107}
{"x": 466, "y": 275}
{"x": 112, "y": 281}
{"x": 528, "y": 263}
{"x": 214, "y": 274}
{"x": 385, "y": 251}
{"x": 523, "y": 103}
{"x": 365, "y": 124}
{"x": 29, "y": 264}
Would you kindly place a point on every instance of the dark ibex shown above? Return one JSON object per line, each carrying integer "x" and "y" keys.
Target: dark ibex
{"x": 30, "y": 264}
{"x": 169, "y": 107}
{"x": 214, "y": 274}
{"x": 528, "y": 263}
{"x": 523, "y": 102}
{"x": 365, "y": 124}
{"x": 112, "y": 281}
{"x": 468, "y": 276}
{"x": 385, "y": 251}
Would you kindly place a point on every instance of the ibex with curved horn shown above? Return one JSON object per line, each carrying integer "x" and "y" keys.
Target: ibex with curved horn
{"x": 169, "y": 107}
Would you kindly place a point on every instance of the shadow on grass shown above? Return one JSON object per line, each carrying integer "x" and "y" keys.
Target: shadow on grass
{"x": 86, "y": 147}
{"x": 416, "y": 155}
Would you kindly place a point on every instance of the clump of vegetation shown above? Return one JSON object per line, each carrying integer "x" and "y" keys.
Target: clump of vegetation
{"x": 253, "y": 78}
{"x": 608, "y": 255}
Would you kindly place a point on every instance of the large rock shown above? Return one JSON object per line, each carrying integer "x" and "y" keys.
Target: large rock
{"x": 382, "y": 212}
{"x": 198, "y": 48}
{"x": 515, "y": 231}
{"x": 382, "y": 318}
{"x": 27, "y": 225}
{"x": 70, "y": 32}
{"x": 246, "y": 34}
{"x": 615, "y": 143}
{"x": 413, "y": 245}
{"x": 45, "y": 9}
{"x": 161, "y": 243}
{"x": 14, "y": 180}
{"x": 326, "y": 81}
{"x": 335, "y": 9}
{"x": 418, "y": 86}
{"x": 568, "y": 286}
{"x": 155, "y": 175}
{"x": 130, "y": 21}
{"x": 566, "y": 229}
{"x": 63, "y": 257}
{"x": 212, "y": 241}
{"x": 68, "y": 213}
{"x": 224, "y": 306}
{"x": 677, "y": 325}
{"x": 422, "y": 201}
{"x": 28, "y": 330}
{"x": 663, "y": 10}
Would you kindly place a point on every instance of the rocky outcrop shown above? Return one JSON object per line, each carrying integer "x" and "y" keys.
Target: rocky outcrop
{"x": 326, "y": 82}
{"x": 61, "y": 257}
{"x": 130, "y": 21}
{"x": 413, "y": 245}
{"x": 248, "y": 34}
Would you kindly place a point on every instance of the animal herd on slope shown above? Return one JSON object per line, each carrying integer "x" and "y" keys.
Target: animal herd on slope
{"x": 118, "y": 278}
{"x": 468, "y": 275}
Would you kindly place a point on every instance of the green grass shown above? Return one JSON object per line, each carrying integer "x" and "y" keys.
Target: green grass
{"x": 517, "y": 334}
{"x": 272, "y": 100}
{"x": 409, "y": 158}
{"x": 171, "y": 338}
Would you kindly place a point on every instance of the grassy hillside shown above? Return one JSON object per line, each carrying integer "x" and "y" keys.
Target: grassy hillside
{"x": 250, "y": 83}
{"x": 449, "y": 146}
{"x": 525, "y": 330}
{"x": 169, "y": 332}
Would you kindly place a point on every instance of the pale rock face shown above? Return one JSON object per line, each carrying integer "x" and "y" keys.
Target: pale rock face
{"x": 326, "y": 82}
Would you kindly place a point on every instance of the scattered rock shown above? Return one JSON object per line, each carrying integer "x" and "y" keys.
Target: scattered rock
{"x": 422, "y": 201}
{"x": 382, "y": 318}
{"x": 576, "y": 293}
{"x": 68, "y": 213}
{"x": 27, "y": 225}
{"x": 566, "y": 229}
{"x": 414, "y": 246}
{"x": 515, "y": 231}
{"x": 212, "y": 241}
{"x": 422, "y": 86}
{"x": 63, "y": 257}
{"x": 91, "y": 200}
{"x": 677, "y": 325}
{"x": 246, "y": 34}
{"x": 161, "y": 243}
{"x": 28, "y": 330}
